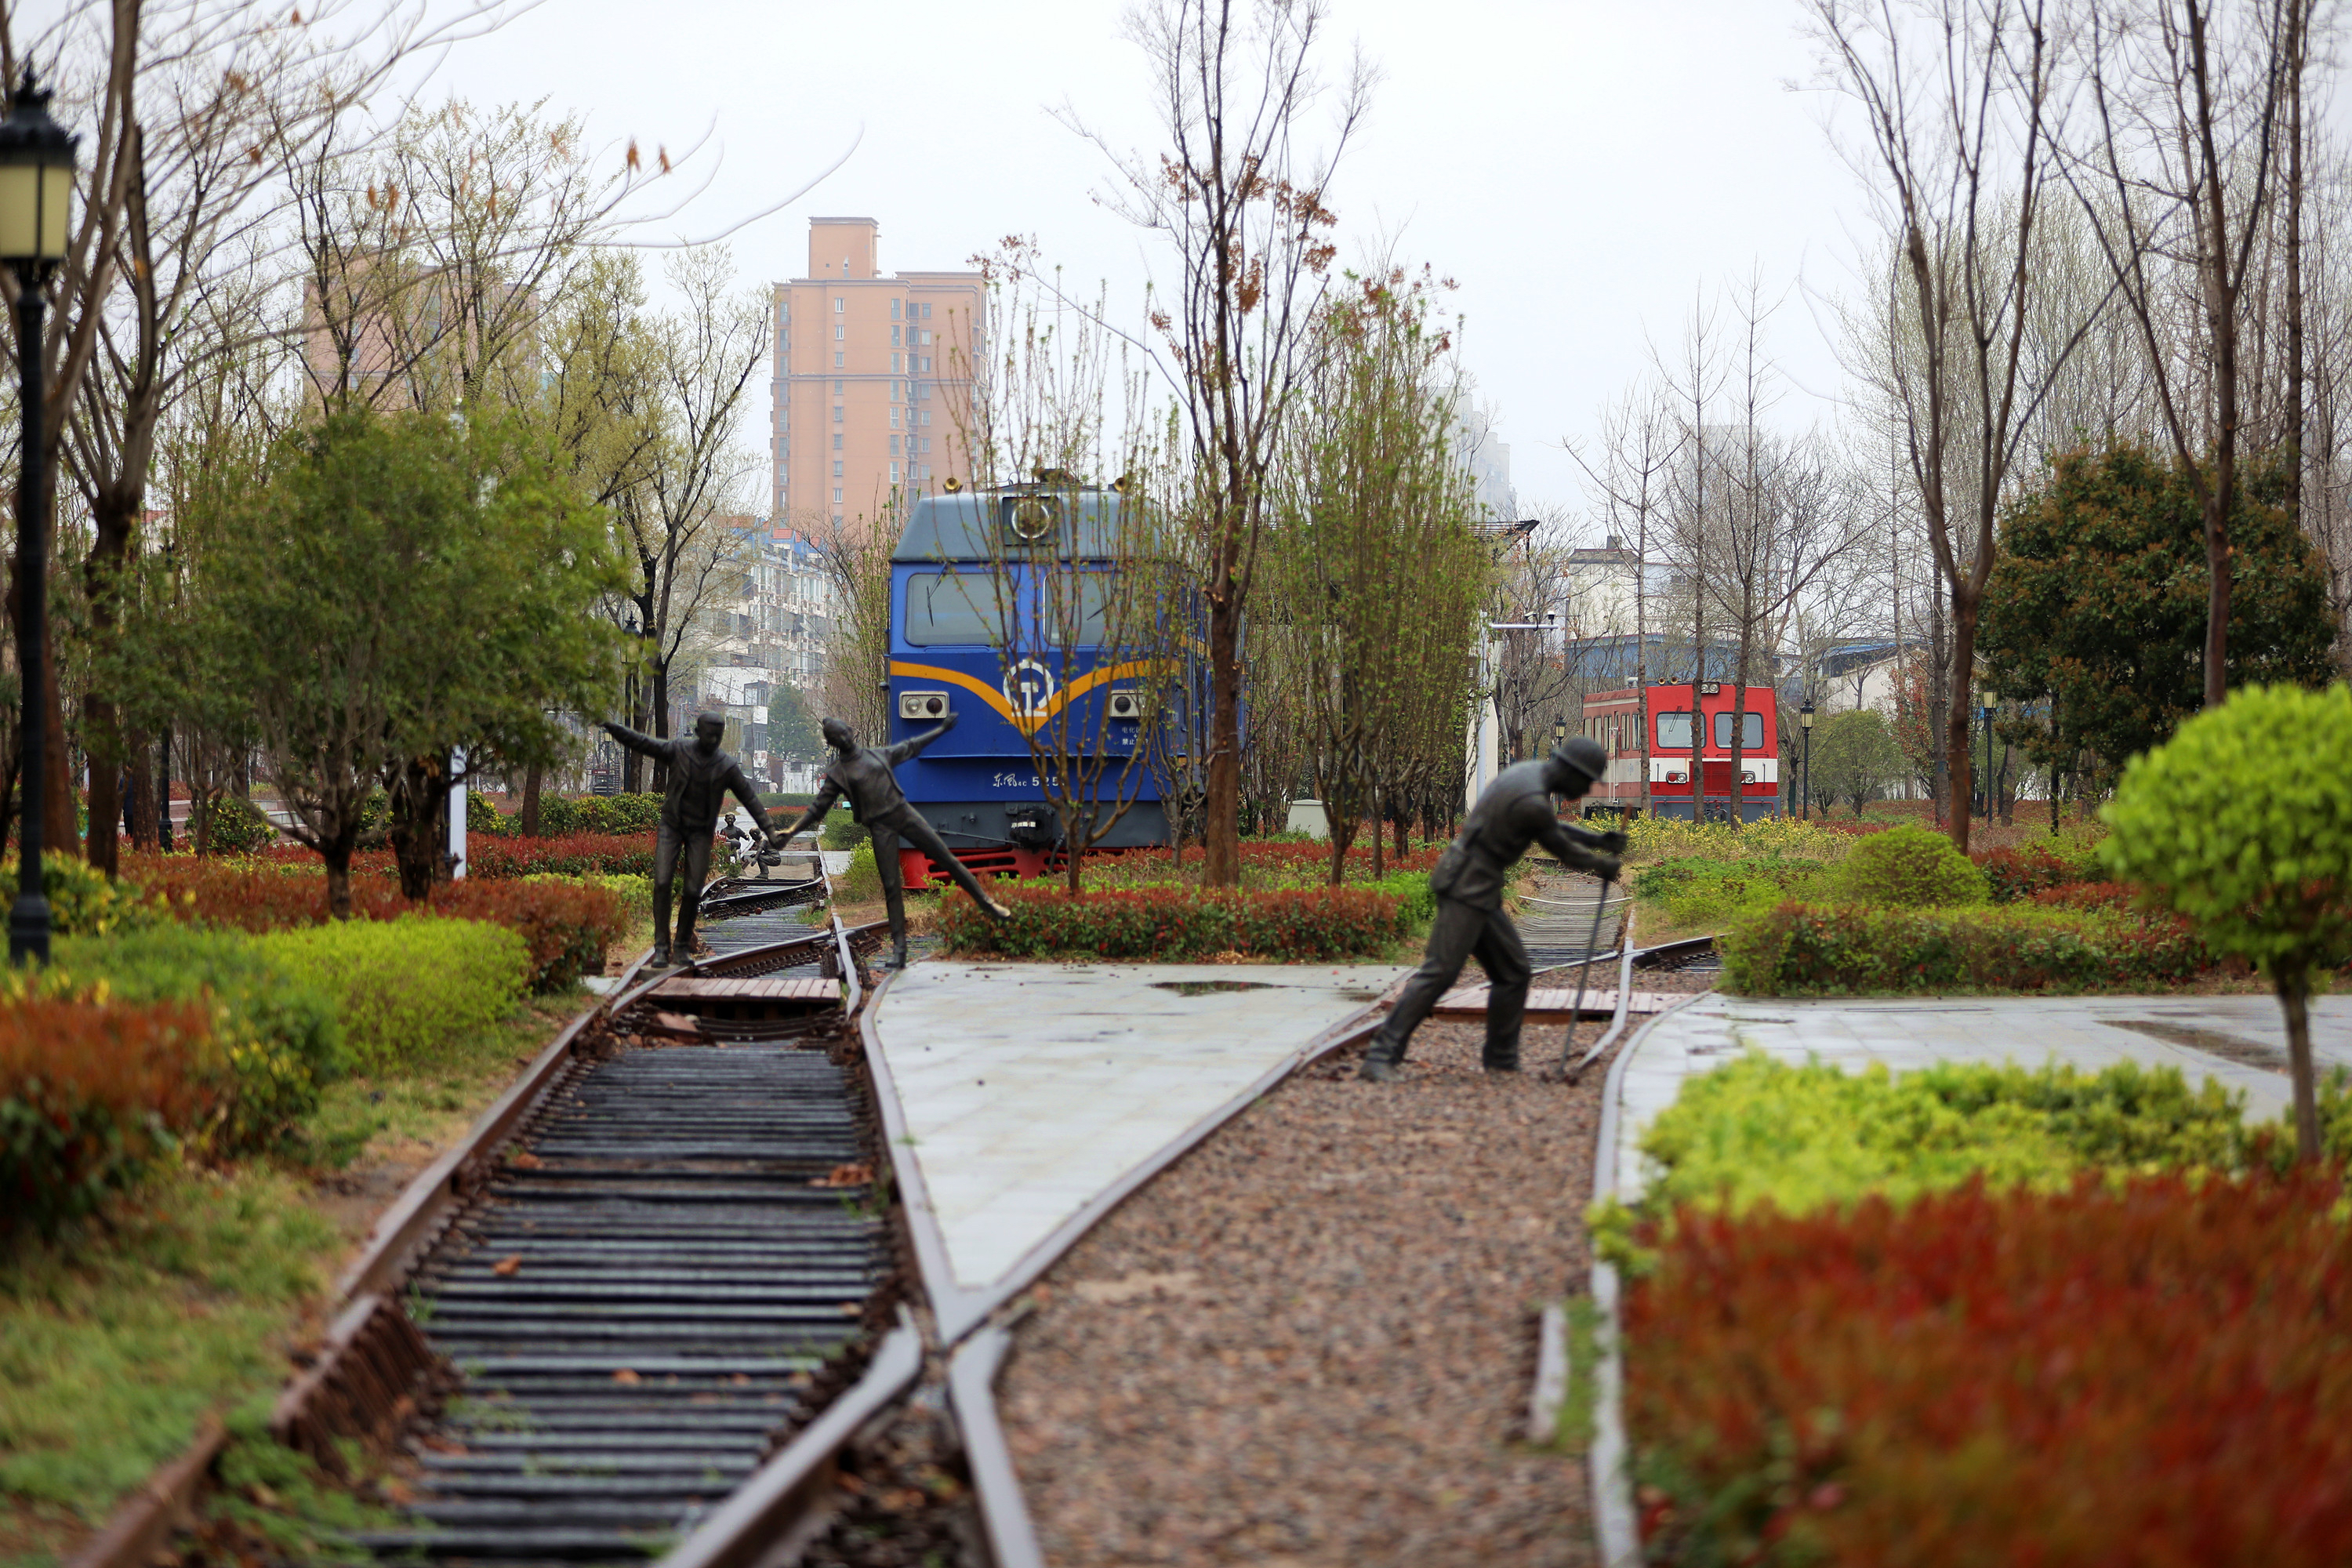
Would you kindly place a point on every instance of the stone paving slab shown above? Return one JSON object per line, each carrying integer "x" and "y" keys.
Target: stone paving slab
{"x": 1028, "y": 1088}
{"x": 1906, "y": 1033}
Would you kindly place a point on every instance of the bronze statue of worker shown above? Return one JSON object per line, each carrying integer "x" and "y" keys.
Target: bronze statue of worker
{"x": 863, "y": 774}
{"x": 700, "y": 776}
{"x": 1512, "y": 814}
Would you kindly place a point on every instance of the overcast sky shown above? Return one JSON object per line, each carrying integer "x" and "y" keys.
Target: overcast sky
{"x": 1584, "y": 171}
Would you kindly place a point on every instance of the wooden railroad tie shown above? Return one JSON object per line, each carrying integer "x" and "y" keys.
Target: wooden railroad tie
{"x": 1553, "y": 1004}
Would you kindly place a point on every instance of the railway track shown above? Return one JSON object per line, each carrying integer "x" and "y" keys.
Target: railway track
{"x": 678, "y": 1259}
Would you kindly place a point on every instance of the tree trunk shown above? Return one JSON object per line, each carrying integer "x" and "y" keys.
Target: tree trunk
{"x": 337, "y": 853}
{"x": 2217, "y": 565}
{"x": 530, "y": 783}
{"x": 138, "y": 749}
{"x": 1221, "y": 827}
{"x": 418, "y": 825}
{"x": 660, "y": 727}
{"x": 1957, "y": 716}
{"x": 2292, "y": 992}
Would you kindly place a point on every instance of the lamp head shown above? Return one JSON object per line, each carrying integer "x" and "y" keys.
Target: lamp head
{"x": 36, "y": 179}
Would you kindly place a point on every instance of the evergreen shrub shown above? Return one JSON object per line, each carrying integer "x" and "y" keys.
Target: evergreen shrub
{"x": 278, "y": 1038}
{"x": 1805, "y": 950}
{"x": 1173, "y": 924}
{"x": 93, "y": 1097}
{"x": 238, "y": 828}
{"x": 406, "y": 987}
{"x": 1909, "y": 868}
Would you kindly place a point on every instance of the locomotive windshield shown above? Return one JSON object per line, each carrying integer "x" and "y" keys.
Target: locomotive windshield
{"x": 952, "y": 609}
{"x": 1094, "y": 599}
{"x": 1751, "y": 734}
{"x": 1674, "y": 732}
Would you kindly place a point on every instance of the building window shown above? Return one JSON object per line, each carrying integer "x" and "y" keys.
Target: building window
{"x": 836, "y": 468}
{"x": 837, "y": 414}
{"x": 839, "y": 329}
{"x": 836, "y": 499}
{"x": 894, "y": 473}
{"x": 894, "y": 364}
{"x": 894, "y": 446}
{"x": 927, "y": 416}
{"x": 840, "y": 303}
{"x": 927, "y": 340}
{"x": 894, "y": 337}
{"x": 837, "y": 389}
{"x": 897, "y": 390}
{"x": 926, "y": 445}
{"x": 926, "y": 313}
{"x": 836, "y": 440}
{"x": 894, "y": 311}
{"x": 837, "y": 359}
{"x": 894, "y": 418}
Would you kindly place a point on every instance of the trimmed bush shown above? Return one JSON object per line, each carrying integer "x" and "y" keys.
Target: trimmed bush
{"x": 1762, "y": 1130}
{"x": 1803, "y": 949}
{"x": 2020, "y": 873}
{"x": 82, "y": 901}
{"x": 2143, "y": 1371}
{"x": 614, "y": 815}
{"x": 565, "y": 925}
{"x": 404, "y": 988}
{"x": 280, "y": 1039}
{"x": 238, "y": 828}
{"x": 1908, "y": 867}
{"x": 1173, "y": 924}
{"x": 92, "y": 1096}
{"x": 1696, "y": 891}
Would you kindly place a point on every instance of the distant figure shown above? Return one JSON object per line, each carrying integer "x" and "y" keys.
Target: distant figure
{"x": 700, "y": 776}
{"x": 864, "y": 775}
{"x": 1512, "y": 812}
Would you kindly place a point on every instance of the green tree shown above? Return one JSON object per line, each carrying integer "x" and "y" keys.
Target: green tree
{"x": 2242, "y": 821}
{"x": 1854, "y": 757}
{"x": 390, "y": 588}
{"x": 2096, "y": 611}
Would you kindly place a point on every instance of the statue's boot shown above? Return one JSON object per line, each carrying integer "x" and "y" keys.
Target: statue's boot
{"x": 661, "y": 932}
{"x": 1382, "y": 1060}
{"x": 1501, "y": 1056}
{"x": 686, "y": 934}
{"x": 897, "y": 955}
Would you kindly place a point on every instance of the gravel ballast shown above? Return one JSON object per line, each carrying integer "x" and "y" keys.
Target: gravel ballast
{"x": 1311, "y": 1341}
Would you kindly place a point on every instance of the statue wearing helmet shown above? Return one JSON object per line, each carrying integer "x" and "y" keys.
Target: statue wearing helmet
{"x": 1512, "y": 812}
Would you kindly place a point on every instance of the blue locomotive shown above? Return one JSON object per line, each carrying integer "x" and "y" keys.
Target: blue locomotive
{"x": 948, "y": 648}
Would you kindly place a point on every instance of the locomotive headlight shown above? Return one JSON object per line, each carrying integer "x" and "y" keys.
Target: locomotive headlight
{"x": 1032, "y": 518}
{"x": 920, "y": 705}
{"x": 1125, "y": 705}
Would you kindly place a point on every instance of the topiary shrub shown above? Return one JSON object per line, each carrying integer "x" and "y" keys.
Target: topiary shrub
{"x": 557, "y": 814}
{"x": 93, "y": 1095}
{"x": 83, "y": 901}
{"x": 405, "y": 988}
{"x": 280, "y": 1041}
{"x": 1909, "y": 868}
{"x": 238, "y": 828}
{"x": 2243, "y": 823}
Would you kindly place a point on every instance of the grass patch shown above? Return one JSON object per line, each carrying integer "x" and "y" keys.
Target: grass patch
{"x": 112, "y": 1345}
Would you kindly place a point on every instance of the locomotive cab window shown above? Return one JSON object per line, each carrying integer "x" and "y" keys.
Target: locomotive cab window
{"x": 1674, "y": 731}
{"x": 1094, "y": 593}
{"x": 1751, "y": 734}
{"x": 949, "y": 608}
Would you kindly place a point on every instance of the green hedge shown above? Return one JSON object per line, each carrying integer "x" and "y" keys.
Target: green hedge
{"x": 1907, "y": 866}
{"x": 1799, "y": 949}
{"x": 405, "y": 988}
{"x": 562, "y": 814}
{"x": 279, "y": 1034}
{"x": 1172, "y": 924}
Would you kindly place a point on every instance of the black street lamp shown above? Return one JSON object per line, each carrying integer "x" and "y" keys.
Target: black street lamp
{"x": 1805, "y": 722}
{"x": 36, "y": 179}
{"x": 1984, "y": 711}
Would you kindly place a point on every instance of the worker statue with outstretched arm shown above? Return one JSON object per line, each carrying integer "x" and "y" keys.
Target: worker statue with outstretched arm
{"x": 1514, "y": 812}
{"x": 863, "y": 774}
{"x": 700, "y": 777}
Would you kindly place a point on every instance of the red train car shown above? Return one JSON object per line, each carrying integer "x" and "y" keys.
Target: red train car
{"x": 1614, "y": 719}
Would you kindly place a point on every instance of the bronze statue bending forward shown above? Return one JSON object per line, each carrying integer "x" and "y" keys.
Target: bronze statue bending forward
{"x": 1512, "y": 814}
{"x": 700, "y": 776}
{"x": 863, "y": 774}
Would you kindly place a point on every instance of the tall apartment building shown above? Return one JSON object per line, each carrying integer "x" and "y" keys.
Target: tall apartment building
{"x": 870, "y": 383}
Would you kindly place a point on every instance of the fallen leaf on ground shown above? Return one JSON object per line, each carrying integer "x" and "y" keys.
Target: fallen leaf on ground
{"x": 626, "y": 1378}
{"x": 508, "y": 1266}
{"x": 846, "y": 1177}
{"x": 524, "y": 1160}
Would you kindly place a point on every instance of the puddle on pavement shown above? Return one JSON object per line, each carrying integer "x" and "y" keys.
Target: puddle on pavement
{"x": 1203, "y": 987}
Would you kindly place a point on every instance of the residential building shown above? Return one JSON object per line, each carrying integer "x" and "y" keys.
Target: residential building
{"x": 872, "y": 379}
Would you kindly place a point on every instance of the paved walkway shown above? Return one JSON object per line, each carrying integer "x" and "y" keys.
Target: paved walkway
{"x": 2228, "y": 1038}
{"x": 1028, "y": 1091}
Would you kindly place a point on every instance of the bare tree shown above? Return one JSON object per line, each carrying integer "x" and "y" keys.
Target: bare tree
{"x": 2188, "y": 105}
{"x": 1638, "y": 445}
{"x": 1957, "y": 98}
{"x": 1241, "y": 202}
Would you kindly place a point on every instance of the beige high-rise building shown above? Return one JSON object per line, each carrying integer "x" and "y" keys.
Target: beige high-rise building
{"x": 870, "y": 383}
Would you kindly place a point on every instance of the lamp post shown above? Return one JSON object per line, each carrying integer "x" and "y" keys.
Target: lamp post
{"x": 1984, "y": 712}
{"x": 36, "y": 178}
{"x": 1805, "y": 722}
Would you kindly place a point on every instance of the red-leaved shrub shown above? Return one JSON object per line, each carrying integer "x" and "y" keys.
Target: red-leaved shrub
{"x": 1798, "y": 950}
{"x": 2029, "y": 869}
{"x": 1172, "y": 924}
{"x": 92, "y": 1095}
{"x": 2156, "y": 1372}
{"x": 566, "y": 925}
{"x": 572, "y": 855}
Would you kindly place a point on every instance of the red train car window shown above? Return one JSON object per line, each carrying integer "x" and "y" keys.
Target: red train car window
{"x": 1674, "y": 732}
